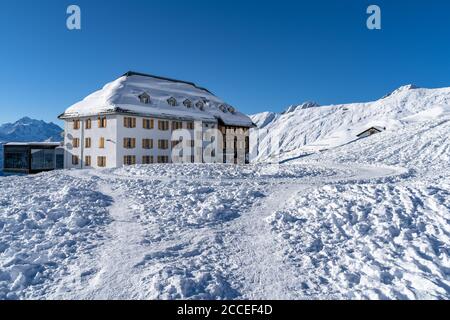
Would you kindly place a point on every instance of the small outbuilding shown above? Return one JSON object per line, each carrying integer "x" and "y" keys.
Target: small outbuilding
{"x": 32, "y": 157}
{"x": 370, "y": 131}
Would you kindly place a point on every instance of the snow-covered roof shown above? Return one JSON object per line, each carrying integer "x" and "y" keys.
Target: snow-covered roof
{"x": 40, "y": 144}
{"x": 376, "y": 128}
{"x": 122, "y": 95}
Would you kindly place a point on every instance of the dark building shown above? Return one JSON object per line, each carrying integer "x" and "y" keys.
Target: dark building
{"x": 32, "y": 157}
{"x": 370, "y": 131}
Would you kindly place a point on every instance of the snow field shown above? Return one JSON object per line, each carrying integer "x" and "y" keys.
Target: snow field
{"x": 369, "y": 241}
{"x": 46, "y": 221}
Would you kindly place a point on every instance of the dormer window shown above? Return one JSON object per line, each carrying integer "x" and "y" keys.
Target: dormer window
{"x": 223, "y": 108}
{"x": 144, "y": 98}
{"x": 172, "y": 101}
{"x": 231, "y": 109}
{"x": 200, "y": 105}
{"x": 187, "y": 103}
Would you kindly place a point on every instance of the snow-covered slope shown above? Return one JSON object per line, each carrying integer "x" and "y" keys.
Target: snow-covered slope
{"x": 28, "y": 130}
{"x": 124, "y": 93}
{"x": 312, "y": 128}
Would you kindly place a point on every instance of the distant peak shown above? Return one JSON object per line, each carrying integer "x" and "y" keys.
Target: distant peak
{"x": 25, "y": 119}
{"x": 402, "y": 89}
{"x": 304, "y": 105}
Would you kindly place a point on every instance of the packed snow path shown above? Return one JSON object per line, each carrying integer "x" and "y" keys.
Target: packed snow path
{"x": 241, "y": 256}
{"x": 224, "y": 232}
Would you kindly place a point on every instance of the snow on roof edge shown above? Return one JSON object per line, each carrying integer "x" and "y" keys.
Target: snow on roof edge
{"x": 121, "y": 96}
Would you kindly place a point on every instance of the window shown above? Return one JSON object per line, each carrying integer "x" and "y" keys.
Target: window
{"x": 88, "y": 124}
{"x": 148, "y": 123}
{"x": 129, "y": 122}
{"x": 177, "y": 125}
{"x": 147, "y": 143}
{"x": 101, "y": 143}
{"x": 190, "y": 125}
{"x": 129, "y": 143}
{"x": 163, "y": 159}
{"x": 75, "y": 160}
{"x": 163, "y": 125}
{"x": 223, "y": 108}
{"x": 163, "y": 144}
{"x": 200, "y": 105}
{"x": 231, "y": 109}
{"x": 187, "y": 103}
{"x": 101, "y": 122}
{"x": 172, "y": 101}
{"x": 101, "y": 162}
{"x": 76, "y": 142}
{"x": 129, "y": 160}
{"x": 144, "y": 98}
{"x": 76, "y": 124}
{"x": 147, "y": 159}
{"x": 87, "y": 161}
{"x": 87, "y": 143}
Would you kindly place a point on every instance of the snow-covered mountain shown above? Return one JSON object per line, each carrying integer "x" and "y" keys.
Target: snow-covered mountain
{"x": 310, "y": 128}
{"x": 28, "y": 130}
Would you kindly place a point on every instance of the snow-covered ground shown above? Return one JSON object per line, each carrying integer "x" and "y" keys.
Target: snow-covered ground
{"x": 365, "y": 220}
{"x": 221, "y": 232}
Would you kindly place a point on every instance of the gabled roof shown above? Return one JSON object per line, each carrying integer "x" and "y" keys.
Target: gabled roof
{"x": 376, "y": 128}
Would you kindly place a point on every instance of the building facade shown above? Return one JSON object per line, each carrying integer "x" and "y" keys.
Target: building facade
{"x": 32, "y": 157}
{"x": 144, "y": 119}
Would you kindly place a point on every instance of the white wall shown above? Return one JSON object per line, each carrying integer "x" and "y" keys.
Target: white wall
{"x": 109, "y": 133}
{"x": 114, "y": 135}
{"x": 140, "y": 133}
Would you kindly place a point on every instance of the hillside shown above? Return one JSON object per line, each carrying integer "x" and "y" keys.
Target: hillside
{"x": 310, "y": 128}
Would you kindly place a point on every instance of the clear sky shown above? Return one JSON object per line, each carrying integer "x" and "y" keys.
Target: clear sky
{"x": 257, "y": 55}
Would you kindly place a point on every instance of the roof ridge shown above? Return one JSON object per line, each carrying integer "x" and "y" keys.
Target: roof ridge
{"x": 134, "y": 73}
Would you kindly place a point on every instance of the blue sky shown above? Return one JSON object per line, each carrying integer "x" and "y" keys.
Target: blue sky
{"x": 257, "y": 55}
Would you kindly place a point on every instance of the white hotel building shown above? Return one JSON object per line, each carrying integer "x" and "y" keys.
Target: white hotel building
{"x": 144, "y": 119}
